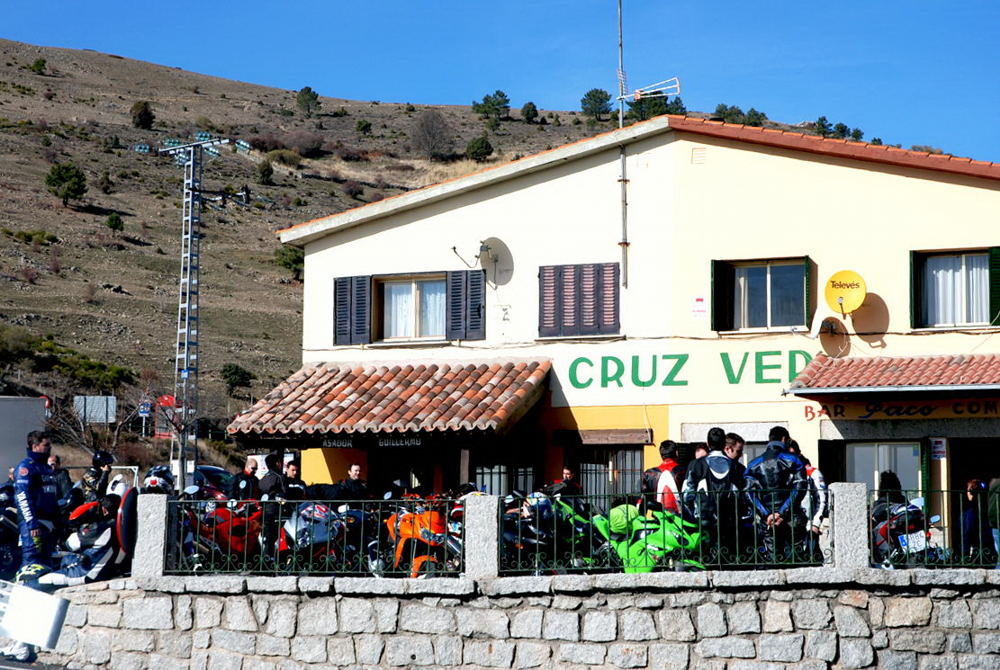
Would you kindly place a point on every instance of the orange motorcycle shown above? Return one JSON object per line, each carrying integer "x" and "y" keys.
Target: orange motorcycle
{"x": 419, "y": 532}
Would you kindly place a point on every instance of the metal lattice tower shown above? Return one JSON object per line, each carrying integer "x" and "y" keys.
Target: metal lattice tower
{"x": 186, "y": 368}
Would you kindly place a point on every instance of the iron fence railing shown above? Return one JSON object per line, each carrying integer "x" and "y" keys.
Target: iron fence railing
{"x": 933, "y": 528}
{"x": 542, "y": 534}
{"x": 409, "y": 537}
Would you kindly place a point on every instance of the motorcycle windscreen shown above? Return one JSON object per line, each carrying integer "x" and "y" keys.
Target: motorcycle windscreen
{"x": 31, "y": 616}
{"x": 127, "y": 526}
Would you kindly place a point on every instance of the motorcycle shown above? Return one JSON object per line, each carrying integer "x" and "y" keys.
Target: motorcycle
{"x": 103, "y": 542}
{"x": 312, "y": 538}
{"x": 418, "y": 535}
{"x": 901, "y": 535}
{"x": 222, "y": 535}
{"x": 640, "y": 543}
{"x": 546, "y": 534}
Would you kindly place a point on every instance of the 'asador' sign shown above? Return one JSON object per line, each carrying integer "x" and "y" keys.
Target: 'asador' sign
{"x": 642, "y": 371}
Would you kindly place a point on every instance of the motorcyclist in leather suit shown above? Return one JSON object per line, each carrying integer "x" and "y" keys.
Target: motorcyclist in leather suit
{"x": 776, "y": 485}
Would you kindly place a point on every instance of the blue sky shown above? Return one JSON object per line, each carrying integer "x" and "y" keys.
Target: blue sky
{"x": 908, "y": 71}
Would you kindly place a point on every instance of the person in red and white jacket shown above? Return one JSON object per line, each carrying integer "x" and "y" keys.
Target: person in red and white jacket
{"x": 661, "y": 485}
{"x": 816, "y": 504}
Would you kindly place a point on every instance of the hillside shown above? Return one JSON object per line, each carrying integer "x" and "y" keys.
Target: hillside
{"x": 114, "y": 297}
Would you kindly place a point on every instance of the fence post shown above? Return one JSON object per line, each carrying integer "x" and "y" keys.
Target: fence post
{"x": 152, "y": 531}
{"x": 482, "y": 518}
{"x": 850, "y": 526}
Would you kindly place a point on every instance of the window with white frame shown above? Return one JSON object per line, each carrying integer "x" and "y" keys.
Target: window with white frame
{"x": 760, "y": 295}
{"x": 955, "y": 289}
{"x": 413, "y": 308}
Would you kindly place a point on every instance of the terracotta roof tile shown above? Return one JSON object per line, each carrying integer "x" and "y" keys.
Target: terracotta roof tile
{"x": 917, "y": 371}
{"x": 370, "y": 397}
{"x": 838, "y": 147}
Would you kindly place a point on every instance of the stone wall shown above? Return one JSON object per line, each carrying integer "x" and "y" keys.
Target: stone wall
{"x": 806, "y": 618}
{"x": 843, "y": 615}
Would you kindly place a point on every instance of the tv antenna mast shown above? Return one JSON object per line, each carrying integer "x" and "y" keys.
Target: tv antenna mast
{"x": 660, "y": 89}
{"x": 185, "y": 416}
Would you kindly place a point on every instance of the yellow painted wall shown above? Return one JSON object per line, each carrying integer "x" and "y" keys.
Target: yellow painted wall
{"x": 328, "y": 466}
{"x": 603, "y": 418}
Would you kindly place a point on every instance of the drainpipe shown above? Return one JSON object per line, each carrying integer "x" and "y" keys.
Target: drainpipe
{"x": 623, "y": 179}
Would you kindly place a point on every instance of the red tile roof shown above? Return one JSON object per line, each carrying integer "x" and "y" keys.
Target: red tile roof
{"x": 829, "y": 146}
{"x": 825, "y": 374}
{"x": 398, "y": 397}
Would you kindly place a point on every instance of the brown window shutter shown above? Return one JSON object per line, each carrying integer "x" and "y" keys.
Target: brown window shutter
{"x": 569, "y": 297}
{"x": 548, "y": 301}
{"x": 609, "y": 298}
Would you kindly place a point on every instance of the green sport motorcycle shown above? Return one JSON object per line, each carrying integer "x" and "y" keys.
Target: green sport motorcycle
{"x": 640, "y": 543}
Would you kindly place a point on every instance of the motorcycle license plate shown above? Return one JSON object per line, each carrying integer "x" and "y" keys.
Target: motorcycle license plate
{"x": 913, "y": 542}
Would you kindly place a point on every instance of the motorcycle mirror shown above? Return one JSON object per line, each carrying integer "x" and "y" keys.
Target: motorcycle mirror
{"x": 191, "y": 490}
{"x": 936, "y": 518}
{"x": 387, "y": 496}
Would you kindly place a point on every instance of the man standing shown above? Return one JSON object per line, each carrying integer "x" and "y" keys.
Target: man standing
{"x": 295, "y": 488}
{"x": 661, "y": 485}
{"x": 63, "y": 481}
{"x": 95, "y": 479}
{"x": 37, "y": 504}
{"x": 245, "y": 485}
{"x": 38, "y": 509}
{"x": 352, "y": 488}
{"x": 711, "y": 495}
{"x": 272, "y": 494}
{"x": 776, "y": 485}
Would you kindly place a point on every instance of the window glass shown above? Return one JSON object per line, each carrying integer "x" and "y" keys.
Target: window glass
{"x": 398, "y": 309}
{"x": 432, "y": 302}
{"x": 768, "y": 295}
{"x": 787, "y": 282}
{"x": 751, "y": 297}
{"x": 956, "y": 290}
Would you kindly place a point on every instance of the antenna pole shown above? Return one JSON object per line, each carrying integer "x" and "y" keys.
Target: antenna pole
{"x": 623, "y": 179}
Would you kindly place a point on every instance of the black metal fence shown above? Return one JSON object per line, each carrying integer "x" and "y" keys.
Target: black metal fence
{"x": 541, "y": 534}
{"x": 409, "y": 537}
{"x": 934, "y": 528}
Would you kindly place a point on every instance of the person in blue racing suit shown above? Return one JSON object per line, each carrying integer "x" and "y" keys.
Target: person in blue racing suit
{"x": 36, "y": 494}
{"x": 776, "y": 485}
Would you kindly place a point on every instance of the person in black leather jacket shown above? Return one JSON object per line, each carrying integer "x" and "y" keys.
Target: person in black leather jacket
{"x": 776, "y": 485}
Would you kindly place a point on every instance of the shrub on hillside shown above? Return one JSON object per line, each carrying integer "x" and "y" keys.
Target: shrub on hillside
{"x": 432, "y": 136}
{"x": 353, "y": 188}
{"x": 285, "y": 157}
{"x": 350, "y": 154}
{"x": 306, "y": 143}
{"x": 479, "y": 149}
{"x": 267, "y": 142}
{"x": 142, "y": 115}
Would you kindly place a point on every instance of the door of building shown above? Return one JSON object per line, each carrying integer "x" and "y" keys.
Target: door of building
{"x": 865, "y": 460}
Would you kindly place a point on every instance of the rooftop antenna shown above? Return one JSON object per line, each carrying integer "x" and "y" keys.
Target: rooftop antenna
{"x": 185, "y": 415}
{"x": 660, "y": 89}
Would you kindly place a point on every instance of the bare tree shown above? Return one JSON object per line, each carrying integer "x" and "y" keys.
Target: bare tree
{"x": 432, "y": 136}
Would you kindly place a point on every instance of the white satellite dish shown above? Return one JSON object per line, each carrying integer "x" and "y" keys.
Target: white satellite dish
{"x": 496, "y": 259}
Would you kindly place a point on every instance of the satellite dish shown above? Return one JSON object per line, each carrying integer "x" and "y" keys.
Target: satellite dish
{"x": 496, "y": 259}
{"x": 845, "y": 292}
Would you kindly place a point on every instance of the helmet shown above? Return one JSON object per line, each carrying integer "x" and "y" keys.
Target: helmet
{"x": 159, "y": 479}
{"x": 102, "y": 458}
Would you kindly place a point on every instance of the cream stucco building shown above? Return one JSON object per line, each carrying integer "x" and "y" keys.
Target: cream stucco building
{"x": 700, "y": 310}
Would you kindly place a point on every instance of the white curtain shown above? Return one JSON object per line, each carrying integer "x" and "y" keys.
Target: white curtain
{"x": 432, "y": 308}
{"x": 946, "y": 280}
{"x": 977, "y": 274}
{"x": 398, "y": 310}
